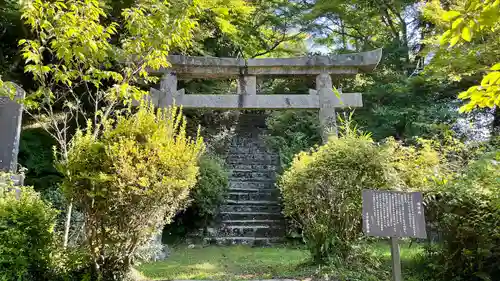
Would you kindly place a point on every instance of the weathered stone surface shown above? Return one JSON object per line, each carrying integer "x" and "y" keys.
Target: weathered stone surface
{"x": 252, "y": 167}
{"x": 247, "y": 85}
{"x": 327, "y": 99}
{"x": 254, "y": 222}
{"x": 256, "y": 175}
{"x": 260, "y": 101}
{"x": 212, "y": 67}
{"x": 238, "y": 184}
{"x": 264, "y": 230}
{"x": 247, "y": 149}
{"x": 255, "y": 158}
{"x": 323, "y": 98}
{"x": 253, "y": 196}
{"x": 249, "y": 216}
{"x": 10, "y": 129}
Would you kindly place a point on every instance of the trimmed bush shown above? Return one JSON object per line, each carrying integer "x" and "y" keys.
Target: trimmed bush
{"x": 322, "y": 188}
{"x": 27, "y": 240}
{"x": 466, "y": 214}
{"x": 322, "y": 191}
{"x": 211, "y": 188}
{"x": 130, "y": 182}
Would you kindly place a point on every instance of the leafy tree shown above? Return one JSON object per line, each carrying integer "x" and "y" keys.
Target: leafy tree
{"x": 397, "y": 100}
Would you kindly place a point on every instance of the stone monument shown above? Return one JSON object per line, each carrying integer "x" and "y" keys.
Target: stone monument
{"x": 11, "y": 112}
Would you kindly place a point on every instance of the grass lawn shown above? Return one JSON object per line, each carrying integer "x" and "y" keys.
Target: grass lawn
{"x": 230, "y": 263}
{"x": 243, "y": 262}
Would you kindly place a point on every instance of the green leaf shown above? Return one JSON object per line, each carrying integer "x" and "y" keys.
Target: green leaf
{"x": 450, "y": 15}
{"x": 444, "y": 38}
{"x": 454, "y": 41}
{"x": 496, "y": 67}
{"x": 457, "y": 23}
{"x": 466, "y": 34}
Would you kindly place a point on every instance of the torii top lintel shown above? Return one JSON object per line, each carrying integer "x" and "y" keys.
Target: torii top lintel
{"x": 215, "y": 67}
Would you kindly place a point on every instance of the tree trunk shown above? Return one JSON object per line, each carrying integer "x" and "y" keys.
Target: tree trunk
{"x": 67, "y": 223}
{"x": 344, "y": 42}
{"x": 406, "y": 47}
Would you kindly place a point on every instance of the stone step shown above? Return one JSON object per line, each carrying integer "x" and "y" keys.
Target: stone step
{"x": 253, "y": 167}
{"x": 254, "y": 241}
{"x": 242, "y": 161}
{"x": 255, "y": 158}
{"x": 253, "y": 196}
{"x": 247, "y": 150}
{"x": 254, "y": 222}
{"x": 256, "y": 141}
{"x": 242, "y": 134}
{"x": 250, "y": 206}
{"x": 251, "y": 202}
{"x": 256, "y": 175}
{"x": 238, "y": 185}
{"x": 250, "y": 231}
{"x": 255, "y": 180}
{"x": 255, "y": 189}
{"x": 251, "y": 216}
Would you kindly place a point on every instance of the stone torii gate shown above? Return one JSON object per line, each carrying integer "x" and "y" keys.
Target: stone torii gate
{"x": 246, "y": 71}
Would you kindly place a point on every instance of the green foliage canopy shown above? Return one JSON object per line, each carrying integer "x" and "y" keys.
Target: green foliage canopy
{"x": 463, "y": 21}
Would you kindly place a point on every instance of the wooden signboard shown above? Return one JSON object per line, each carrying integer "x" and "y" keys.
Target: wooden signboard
{"x": 393, "y": 214}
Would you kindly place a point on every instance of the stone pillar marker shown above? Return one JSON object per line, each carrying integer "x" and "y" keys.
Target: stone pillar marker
{"x": 247, "y": 85}
{"x": 11, "y": 113}
{"x": 168, "y": 89}
{"x": 327, "y": 98}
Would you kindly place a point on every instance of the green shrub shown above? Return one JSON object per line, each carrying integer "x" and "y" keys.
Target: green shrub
{"x": 129, "y": 182}
{"x": 466, "y": 214}
{"x": 322, "y": 188}
{"x": 27, "y": 241}
{"x": 322, "y": 191}
{"x": 206, "y": 197}
{"x": 210, "y": 190}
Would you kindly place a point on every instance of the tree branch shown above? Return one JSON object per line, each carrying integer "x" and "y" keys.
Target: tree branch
{"x": 276, "y": 44}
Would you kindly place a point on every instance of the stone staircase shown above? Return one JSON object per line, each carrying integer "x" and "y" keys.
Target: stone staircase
{"x": 252, "y": 213}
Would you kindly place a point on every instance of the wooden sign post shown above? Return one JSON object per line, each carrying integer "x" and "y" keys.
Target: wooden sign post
{"x": 393, "y": 214}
